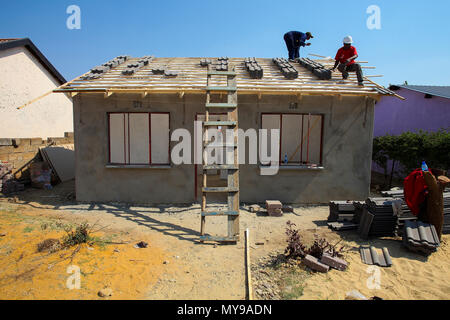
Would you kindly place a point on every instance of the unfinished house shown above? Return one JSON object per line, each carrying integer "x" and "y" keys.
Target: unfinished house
{"x": 126, "y": 110}
{"x": 27, "y": 75}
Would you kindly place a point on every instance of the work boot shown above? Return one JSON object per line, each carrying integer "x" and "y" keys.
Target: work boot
{"x": 361, "y": 84}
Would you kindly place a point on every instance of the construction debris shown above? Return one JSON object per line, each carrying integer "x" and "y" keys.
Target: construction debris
{"x": 61, "y": 159}
{"x": 370, "y": 256}
{"x": 274, "y": 208}
{"x": 420, "y": 237}
{"x": 8, "y": 183}
{"x": 334, "y": 262}
{"x": 315, "y": 264}
{"x": 286, "y": 68}
{"x": 254, "y": 208}
{"x": 141, "y": 244}
{"x": 342, "y": 226}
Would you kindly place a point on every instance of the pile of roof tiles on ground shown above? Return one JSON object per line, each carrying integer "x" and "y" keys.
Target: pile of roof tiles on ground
{"x": 253, "y": 68}
{"x": 98, "y": 71}
{"x": 222, "y": 64}
{"x": 286, "y": 68}
{"x": 446, "y": 227}
{"x": 420, "y": 237}
{"x": 342, "y": 215}
{"x": 380, "y": 218}
{"x": 406, "y": 211}
{"x": 316, "y": 68}
{"x": 7, "y": 182}
{"x": 135, "y": 66}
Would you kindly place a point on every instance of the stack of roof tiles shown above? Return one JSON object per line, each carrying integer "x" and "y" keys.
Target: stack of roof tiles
{"x": 205, "y": 62}
{"x": 274, "y": 208}
{"x": 406, "y": 213}
{"x": 316, "y": 68}
{"x": 382, "y": 220}
{"x": 359, "y": 208}
{"x": 98, "y": 71}
{"x": 446, "y": 227}
{"x": 253, "y": 68}
{"x": 222, "y": 64}
{"x": 133, "y": 67}
{"x": 286, "y": 68}
{"x": 7, "y": 182}
{"x": 341, "y": 211}
{"x": 420, "y": 237}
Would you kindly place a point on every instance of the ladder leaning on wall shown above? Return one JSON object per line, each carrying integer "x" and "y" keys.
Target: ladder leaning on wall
{"x": 232, "y": 170}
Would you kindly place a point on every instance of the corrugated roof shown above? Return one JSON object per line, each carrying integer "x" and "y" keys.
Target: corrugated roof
{"x": 439, "y": 91}
{"x": 27, "y": 43}
{"x": 191, "y": 77}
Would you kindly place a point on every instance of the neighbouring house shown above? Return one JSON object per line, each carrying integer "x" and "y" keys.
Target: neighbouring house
{"x": 426, "y": 108}
{"x": 126, "y": 112}
{"x": 26, "y": 75}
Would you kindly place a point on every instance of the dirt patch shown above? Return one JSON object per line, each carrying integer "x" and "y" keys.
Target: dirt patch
{"x": 34, "y": 269}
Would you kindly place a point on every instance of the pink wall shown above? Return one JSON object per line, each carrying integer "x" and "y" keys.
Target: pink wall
{"x": 395, "y": 116}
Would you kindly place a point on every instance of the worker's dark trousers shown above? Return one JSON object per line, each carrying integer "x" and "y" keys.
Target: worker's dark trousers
{"x": 351, "y": 68}
{"x": 294, "y": 52}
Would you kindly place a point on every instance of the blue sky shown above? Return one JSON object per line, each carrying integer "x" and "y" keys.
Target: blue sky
{"x": 413, "y": 42}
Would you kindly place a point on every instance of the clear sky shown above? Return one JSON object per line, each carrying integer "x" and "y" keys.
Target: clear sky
{"x": 413, "y": 43}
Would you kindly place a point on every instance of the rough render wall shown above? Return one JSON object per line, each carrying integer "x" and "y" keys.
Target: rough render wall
{"x": 347, "y": 150}
{"x": 23, "y": 79}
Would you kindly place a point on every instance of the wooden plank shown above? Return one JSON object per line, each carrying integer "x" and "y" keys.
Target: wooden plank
{"x": 248, "y": 265}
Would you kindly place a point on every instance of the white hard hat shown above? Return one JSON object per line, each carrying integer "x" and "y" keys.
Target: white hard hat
{"x": 348, "y": 39}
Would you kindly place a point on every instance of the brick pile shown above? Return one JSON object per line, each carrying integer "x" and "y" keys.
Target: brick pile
{"x": 274, "y": 208}
{"x": 8, "y": 184}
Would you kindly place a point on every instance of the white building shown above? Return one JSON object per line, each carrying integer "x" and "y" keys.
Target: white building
{"x": 25, "y": 75}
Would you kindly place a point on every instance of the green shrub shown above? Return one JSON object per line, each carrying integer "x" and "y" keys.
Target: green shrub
{"x": 410, "y": 148}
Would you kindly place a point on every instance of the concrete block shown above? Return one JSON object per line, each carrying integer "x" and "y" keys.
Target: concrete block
{"x": 23, "y": 141}
{"x": 6, "y": 142}
{"x": 273, "y": 204}
{"x": 334, "y": 262}
{"x": 5, "y": 150}
{"x": 36, "y": 141}
{"x": 315, "y": 264}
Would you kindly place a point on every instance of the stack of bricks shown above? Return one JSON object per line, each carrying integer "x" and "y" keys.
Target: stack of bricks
{"x": 7, "y": 182}
{"x": 19, "y": 152}
{"x": 274, "y": 208}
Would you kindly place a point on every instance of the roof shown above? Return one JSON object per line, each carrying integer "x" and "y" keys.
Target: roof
{"x": 25, "y": 42}
{"x": 439, "y": 91}
{"x": 192, "y": 77}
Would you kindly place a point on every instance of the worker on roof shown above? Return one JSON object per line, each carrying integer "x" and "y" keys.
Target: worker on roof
{"x": 294, "y": 40}
{"x": 345, "y": 58}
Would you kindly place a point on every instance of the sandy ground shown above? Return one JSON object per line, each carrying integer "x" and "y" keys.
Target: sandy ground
{"x": 176, "y": 265}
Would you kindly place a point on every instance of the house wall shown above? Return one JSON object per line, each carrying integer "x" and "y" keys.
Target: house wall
{"x": 347, "y": 149}
{"x": 395, "y": 116}
{"x": 23, "y": 79}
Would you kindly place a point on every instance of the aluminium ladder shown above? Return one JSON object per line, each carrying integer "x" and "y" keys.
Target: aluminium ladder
{"x": 232, "y": 170}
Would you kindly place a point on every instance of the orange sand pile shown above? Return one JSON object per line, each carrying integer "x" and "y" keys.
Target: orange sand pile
{"x": 28, "y": 274}
{"x": 412, "y": 276}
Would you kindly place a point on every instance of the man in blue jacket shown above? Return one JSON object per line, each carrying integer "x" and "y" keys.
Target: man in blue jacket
{"x": 294, "y": 40}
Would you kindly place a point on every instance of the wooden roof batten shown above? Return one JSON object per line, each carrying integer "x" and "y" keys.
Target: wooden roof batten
{"x": 191, "y": 79}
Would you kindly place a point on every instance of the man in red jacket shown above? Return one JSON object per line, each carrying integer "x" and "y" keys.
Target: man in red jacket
{"x": 345, "y": 58}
